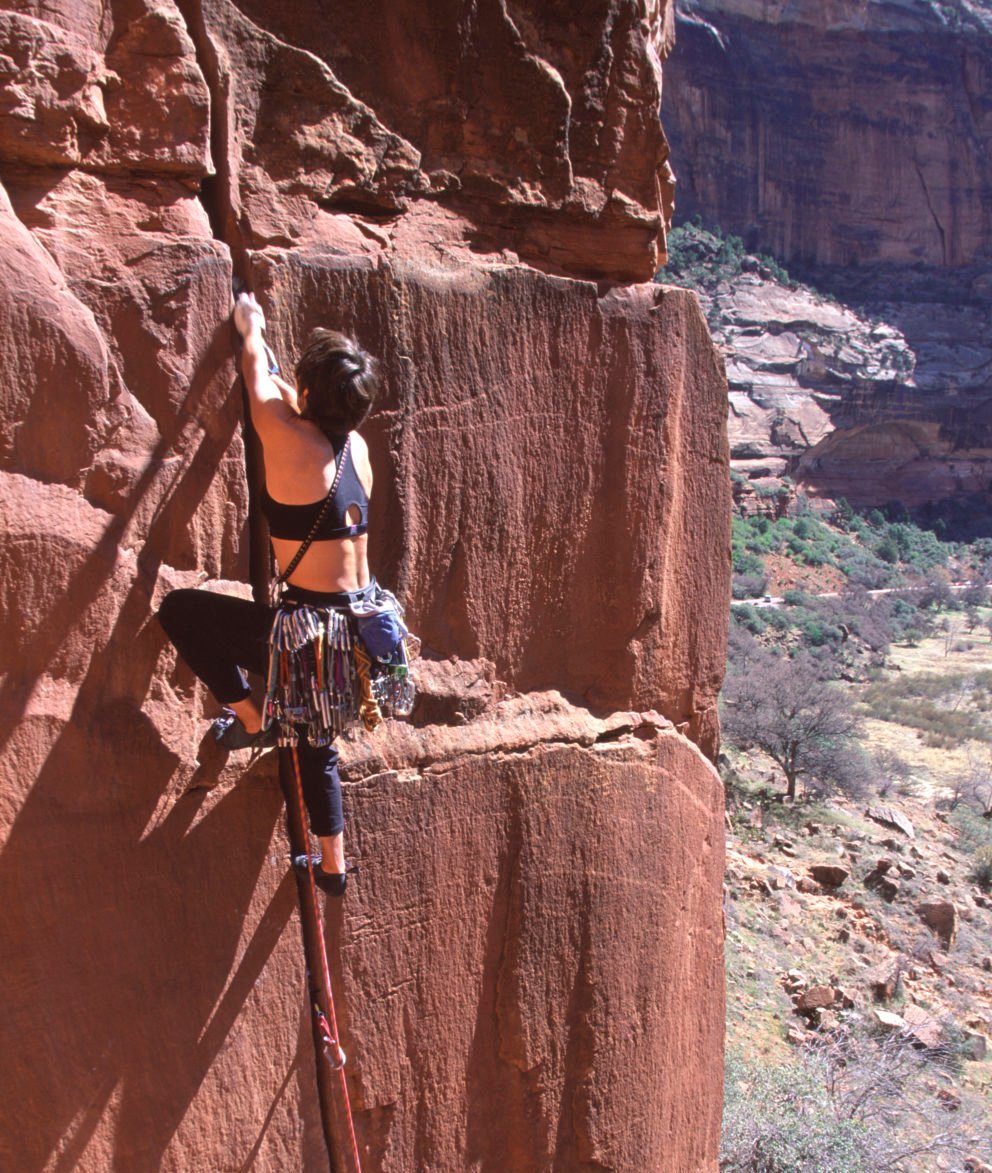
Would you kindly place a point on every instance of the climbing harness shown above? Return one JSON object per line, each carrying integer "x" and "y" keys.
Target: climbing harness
{"x": 330, "y": 667}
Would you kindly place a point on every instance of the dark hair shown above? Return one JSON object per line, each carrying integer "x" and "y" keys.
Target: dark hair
{"x": 340, "y": 379}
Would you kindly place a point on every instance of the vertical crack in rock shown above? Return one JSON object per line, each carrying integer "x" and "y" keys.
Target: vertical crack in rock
{"x": 218, "y": 197}
{"x": 405, "y": 377}
{"x": 216, "y": 191}
{"x": 933, "y": 211}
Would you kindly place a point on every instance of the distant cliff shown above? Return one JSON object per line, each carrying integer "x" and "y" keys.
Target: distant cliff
{"x": 852, "y": 143}
{"x": 835, "y": 132}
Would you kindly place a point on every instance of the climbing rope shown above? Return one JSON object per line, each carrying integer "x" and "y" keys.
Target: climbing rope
{"x": 327, "y": 1025}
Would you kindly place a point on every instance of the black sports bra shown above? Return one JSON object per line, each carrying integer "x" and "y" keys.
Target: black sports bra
{"x": 294, "y": 522}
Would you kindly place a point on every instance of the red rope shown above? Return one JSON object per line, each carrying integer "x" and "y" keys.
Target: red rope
{"x": 326, "y": 1024}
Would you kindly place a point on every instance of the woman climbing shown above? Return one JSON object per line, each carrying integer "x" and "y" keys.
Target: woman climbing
{"x": 318, "y": 481}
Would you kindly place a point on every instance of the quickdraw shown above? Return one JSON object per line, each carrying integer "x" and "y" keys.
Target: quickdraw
{"x": 312, "y": 677}
{"x": 323, "y": 680}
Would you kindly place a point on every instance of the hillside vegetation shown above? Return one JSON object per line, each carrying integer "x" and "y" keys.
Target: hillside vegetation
{"x": 857, "y": 761}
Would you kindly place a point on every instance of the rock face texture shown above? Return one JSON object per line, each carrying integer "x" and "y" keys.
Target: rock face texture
{"x": 798, "y": 367}
{"x": 529, "y": 968}
{"x": 852, "y": 143}
{"x": 890, "y": 404}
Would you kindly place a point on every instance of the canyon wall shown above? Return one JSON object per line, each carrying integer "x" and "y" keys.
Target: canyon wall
{"x": 852, "y": 143}
{"x": 835, "y": 132}
{"x": 529, "y": 966}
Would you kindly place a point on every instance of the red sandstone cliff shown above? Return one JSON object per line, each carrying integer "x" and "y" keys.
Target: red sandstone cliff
{"x": 530, "y": 966}
{"x": 852, "y": 142}
{"x": 836, "y": 132}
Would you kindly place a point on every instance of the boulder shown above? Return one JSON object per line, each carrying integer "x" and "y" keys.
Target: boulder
{"x": 942, "y": 917}
{"x": 889, "y": 1019}
{"x": 779, "y": 879}
{"x": 829, "y": 875}
{"x": 815, "y": 998}
{"x": 922, "y": 1027}
{"x": 884, "y": 979}
{"x": 976, "y": 1045}
{"x": 879, "y": 880}
{"x": 889, "y": 816}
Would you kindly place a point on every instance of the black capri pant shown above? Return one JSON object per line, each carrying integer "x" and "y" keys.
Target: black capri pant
{"x": 220, "y": 638}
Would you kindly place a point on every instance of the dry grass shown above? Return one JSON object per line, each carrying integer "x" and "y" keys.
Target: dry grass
{"x": 931, "y": 662}
{"x": 933, "y": 768}
{"x": 932, "y": 654}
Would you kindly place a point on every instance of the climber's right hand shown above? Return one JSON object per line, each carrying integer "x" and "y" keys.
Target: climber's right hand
{"x": 248, "y": 315}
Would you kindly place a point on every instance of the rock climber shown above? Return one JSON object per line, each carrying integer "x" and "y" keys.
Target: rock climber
{"x": 310, "y": 445}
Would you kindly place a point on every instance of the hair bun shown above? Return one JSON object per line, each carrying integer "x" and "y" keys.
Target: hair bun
{"x": 340, "y": 379}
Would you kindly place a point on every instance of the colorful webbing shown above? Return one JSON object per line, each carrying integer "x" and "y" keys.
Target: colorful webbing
{"x": 323, "y": 680}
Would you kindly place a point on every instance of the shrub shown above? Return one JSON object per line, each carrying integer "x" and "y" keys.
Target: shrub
{"x": 976, "y": 595}
{"x": 981, "y": 867}
{"x": 795, "y": 598}
{"x": 937, "y": 592}
{"x": 780, "y": 1120}
{"x": 843, "y": 513}
{"x": 701, "y": 258}
{"x": 850, "y": 1104}
{"x": 891, "y": 772}
{"x": 746, "y": 563}
{"x": 887, "y": 550}
{"x": 750, "y": 618}
{"x": 815, "y": 631}
{"x": 776, "y": 618}
{"x": 748, "y": 586}
{"x": 974, "y": 831}
{"x": 766, "y": 492}
{"x": 864, "y": 569}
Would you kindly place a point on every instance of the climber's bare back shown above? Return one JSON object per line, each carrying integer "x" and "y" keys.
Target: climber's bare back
{"x": 299, "y": 469}
{"x": 299, "y": 462}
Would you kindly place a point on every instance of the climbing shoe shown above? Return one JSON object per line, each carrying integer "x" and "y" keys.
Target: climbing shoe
{"x": 231, "y": 734}
{"x": 333, "y": 883}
